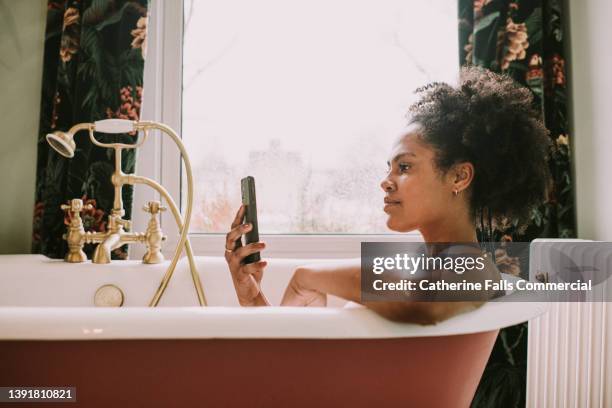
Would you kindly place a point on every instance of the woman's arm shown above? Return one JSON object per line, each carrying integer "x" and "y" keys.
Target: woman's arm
{"x": 246, "y": 277}
{"x": 343, "y": 279}
{"x": 338, "y": 278}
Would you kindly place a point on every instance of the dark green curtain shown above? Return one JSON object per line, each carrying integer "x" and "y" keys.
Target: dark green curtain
{"x": 93, "y": 70}
{"x": 523, "y": 39}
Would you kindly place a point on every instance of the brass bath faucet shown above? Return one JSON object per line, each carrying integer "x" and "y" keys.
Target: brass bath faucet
{"x": 115, "y": 236}
{"x": 118, "y": 230}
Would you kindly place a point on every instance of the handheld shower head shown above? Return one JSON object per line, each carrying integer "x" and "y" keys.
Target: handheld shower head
{"x": 62, "y": 142}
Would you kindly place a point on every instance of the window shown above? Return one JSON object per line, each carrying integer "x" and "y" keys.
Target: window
{"x": 303, "y": 95}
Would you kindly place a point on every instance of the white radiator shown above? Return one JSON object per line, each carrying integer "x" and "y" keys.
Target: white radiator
{"x": 569, "y": 360}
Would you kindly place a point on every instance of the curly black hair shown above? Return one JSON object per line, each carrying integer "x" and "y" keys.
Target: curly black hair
{"x": 489, "y": 120}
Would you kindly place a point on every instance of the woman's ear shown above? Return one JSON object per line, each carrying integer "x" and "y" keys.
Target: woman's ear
{"x": 462, "y": 176}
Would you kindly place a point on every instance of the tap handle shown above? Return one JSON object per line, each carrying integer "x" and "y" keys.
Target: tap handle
{"x": 76, "y": 206}
{"x": 154, "y": 207}
{"x": 127, "y": 224}
{"x": 154, "y": 236}
{"x": 75, "y": 237}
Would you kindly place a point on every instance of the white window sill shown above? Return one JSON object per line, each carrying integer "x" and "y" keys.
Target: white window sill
{"x": 304, "y": 246}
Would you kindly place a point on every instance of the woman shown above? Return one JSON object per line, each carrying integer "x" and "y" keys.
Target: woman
{"x": 471, "y": 151}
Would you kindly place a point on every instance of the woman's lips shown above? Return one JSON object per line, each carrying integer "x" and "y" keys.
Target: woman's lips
{"x": 389, "y": 204}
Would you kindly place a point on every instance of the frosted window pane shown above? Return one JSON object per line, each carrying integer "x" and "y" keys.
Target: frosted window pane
{"x": 304, "y": 96}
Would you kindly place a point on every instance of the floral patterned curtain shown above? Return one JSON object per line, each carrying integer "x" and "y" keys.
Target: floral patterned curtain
{"x": 93, "y": 69}
{"x": 523, "y": 39}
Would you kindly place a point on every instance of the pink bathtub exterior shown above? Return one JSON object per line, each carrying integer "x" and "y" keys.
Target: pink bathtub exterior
{"x": 413, "y": 372}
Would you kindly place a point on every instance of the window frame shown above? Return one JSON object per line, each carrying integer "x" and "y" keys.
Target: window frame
{"x": 160, "y": 159}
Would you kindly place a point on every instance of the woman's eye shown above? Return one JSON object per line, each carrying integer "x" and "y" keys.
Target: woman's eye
{"x": 403, "y": 167}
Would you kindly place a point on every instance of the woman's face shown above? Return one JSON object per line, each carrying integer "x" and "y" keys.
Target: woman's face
{"x": 417, "y": 193}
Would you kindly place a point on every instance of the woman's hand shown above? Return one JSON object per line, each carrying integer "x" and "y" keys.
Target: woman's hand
{"x": 300, "y": 293}
{"x": 246, "y": 278}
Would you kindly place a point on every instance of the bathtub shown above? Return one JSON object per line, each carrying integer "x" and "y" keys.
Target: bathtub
{"x": 182, "y": 355}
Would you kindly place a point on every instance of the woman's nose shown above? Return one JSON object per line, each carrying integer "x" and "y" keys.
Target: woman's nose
{"x": 387, "y": 185}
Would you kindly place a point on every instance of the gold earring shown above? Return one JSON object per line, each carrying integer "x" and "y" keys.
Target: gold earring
{"x": 455, "y": 192}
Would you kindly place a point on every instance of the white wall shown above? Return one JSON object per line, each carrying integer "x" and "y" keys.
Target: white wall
{"x": 22, "y": 25}
{"x": 591, "y": 92}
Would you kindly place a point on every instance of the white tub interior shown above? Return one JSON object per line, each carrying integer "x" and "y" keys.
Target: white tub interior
{"x": 35, "y": 280}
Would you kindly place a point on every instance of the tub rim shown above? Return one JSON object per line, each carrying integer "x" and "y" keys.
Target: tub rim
{"x": 275, "y": 322}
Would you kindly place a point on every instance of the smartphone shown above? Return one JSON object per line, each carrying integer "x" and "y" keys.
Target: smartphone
{"x": 247, "y": 185}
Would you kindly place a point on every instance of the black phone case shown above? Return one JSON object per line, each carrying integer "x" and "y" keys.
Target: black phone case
{"x": 247, "y": 185}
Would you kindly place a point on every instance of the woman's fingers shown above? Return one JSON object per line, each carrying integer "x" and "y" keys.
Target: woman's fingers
{"x": 239, "y": 216}
{"x": 242, "y": 252}
{"x": 255, "y": 270}
{"x": 235, "y": 234}
{"x": 258, "y": 271}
